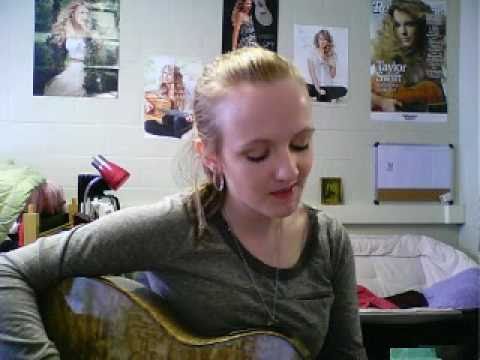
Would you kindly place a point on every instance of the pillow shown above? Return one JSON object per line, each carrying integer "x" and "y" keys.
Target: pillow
{"x": 459, "y": 292}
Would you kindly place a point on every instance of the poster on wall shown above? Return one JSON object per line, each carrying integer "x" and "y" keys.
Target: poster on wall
{"x": 76, "y": 48}
{"x": 321, "y": 54}
{"x": 169, "y": 85}
{"x": 408, "y": 60}
{"x": 250, "y": 23}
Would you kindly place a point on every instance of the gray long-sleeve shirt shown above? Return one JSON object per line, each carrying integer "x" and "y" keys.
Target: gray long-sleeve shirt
{"x": 206, "y": 284}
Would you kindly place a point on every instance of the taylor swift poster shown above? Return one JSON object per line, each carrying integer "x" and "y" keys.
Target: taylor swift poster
{"x": 250, "y": 23}
{"x": 168, "y": 95}
{"x": 76, "y": 48}
{"x": 408, "y": 60}
{"x": 321, "y": 54}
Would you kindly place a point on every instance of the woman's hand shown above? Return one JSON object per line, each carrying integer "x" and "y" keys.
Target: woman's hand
{"x": 384, "y": 103}
{"x": 148, "y": 107}
{"x": 319, "y": 89}
{"x": 390, "y": 105}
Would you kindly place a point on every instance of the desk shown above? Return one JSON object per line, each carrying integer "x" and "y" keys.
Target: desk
{"x": 408, "y": 328}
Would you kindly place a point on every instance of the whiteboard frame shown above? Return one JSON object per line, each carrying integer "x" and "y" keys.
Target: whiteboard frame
{"x": 413, "y": 194}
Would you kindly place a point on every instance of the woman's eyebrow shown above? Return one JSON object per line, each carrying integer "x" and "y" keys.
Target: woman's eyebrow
{"x": 262, "y": 141}
{"x": 255, "y": 142}
{"x": 307, "y": 130}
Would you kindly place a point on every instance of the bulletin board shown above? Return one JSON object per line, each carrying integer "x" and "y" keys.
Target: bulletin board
{"x": 412, "y": 172}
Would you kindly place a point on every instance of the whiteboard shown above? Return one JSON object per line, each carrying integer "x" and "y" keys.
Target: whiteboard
{"x": 414, "y": 167}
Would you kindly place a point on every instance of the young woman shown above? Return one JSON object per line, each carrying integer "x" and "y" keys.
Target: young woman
{"x": 70, "y": 32}
{"x": 238, "y": 252}
{"x": 322, "y": 67}
{"x": 243, "y": 34}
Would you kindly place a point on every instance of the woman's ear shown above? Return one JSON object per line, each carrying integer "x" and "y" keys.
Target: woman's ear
{"x": 207, "y": 156}
{"x": 199, "y": 146}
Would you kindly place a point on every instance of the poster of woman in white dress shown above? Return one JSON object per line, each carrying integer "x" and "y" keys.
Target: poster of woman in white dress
{"x": 169, "y": 84}
{"x": 76, "y": 48}
{"x": 321, "y": 54}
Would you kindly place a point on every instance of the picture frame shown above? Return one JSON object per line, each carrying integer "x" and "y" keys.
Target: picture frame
{"x": 331, "y": 189}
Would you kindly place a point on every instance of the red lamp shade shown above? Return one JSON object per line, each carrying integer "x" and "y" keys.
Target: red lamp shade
{"x": 114, "y": 175}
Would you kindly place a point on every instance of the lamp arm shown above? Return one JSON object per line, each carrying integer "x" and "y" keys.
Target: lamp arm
{"x": 87, "y": 191}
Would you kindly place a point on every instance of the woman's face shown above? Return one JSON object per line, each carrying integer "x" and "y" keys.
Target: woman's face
{"x": 322, "y": 42}
{"x": 81, "y": 16}
{"x": 405, "y": 28}
{"x": 247, "y": 5}
{"x": 164, "y": 90}
{"x": 266, "y": 153}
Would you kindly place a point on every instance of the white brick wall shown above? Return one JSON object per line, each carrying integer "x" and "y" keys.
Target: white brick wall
{"x": 59, "y": 135}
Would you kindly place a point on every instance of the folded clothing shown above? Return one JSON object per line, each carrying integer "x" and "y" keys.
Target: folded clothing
{"x": 461, "y": 291}
{"x": 408, "y": 299}
{"x": 367, "y": 299}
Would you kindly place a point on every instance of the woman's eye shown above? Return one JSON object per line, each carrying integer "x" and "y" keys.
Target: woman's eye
{"x": 299, "y": 147}
{"x": 257, "y": 158}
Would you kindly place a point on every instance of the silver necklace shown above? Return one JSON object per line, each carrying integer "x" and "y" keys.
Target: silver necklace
{"x": 271, "y": 314}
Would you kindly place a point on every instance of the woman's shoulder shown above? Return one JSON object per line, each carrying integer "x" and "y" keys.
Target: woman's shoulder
{"x": 239, "y": 17}
{"x": 332, "y": 237}
{"x": 169, "y": 208}
{"x": 330, "y": 230}
{"x": 324, "y": 219}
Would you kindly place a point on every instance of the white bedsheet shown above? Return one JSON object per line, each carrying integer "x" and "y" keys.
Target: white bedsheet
{"x": 389, "y": 265}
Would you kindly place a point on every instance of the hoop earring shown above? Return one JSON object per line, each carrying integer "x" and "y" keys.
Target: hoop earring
{"x": 218, "y": 181}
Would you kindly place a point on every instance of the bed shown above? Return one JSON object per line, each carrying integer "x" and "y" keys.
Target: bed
{"x": 446, "y": 277}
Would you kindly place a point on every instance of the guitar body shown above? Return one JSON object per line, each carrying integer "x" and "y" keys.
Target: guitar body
{"x": 117, "y": 318}
{"x": 262, "y": 13}
{"x": 425, "y": 92}
{"x": 425, "y": 95}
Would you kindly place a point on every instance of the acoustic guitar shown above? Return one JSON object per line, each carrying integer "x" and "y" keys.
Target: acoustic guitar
{"x": 118, "y": 318}
{"x": 425, "y": 92}
{"x": 426, "y": 95}
{"x": 262, "y": 13}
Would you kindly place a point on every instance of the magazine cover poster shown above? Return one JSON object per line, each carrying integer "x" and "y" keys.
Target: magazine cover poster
{"x": 250, "y": 23}
{"x": 321, "y": 54}
{"x": 76, "y": 48}
{"x": 408, "y": 60}
{"x": 169, "y": 84}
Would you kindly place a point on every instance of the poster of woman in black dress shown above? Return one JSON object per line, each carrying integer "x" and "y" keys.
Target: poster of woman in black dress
{"x": 250, "y": 23}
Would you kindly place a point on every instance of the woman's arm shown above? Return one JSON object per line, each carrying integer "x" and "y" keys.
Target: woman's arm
{"x": 344, "y": 338}
{"x": 384, "y": 103}
{"x": 22, "y": 335}
{"x": 236, "y": 23}
{"x": 380, "y": 102}
{"x": 126, "y": 241}
{"x": 331, "y": 61}
{"x": 332, "y": 69}
{"x": 313, "y": 76}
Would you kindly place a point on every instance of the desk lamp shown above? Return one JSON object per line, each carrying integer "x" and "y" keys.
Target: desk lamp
{"x": 113, "y": 175}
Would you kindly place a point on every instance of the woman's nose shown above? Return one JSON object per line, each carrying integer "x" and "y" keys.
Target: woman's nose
{"x": 287, "y": 167}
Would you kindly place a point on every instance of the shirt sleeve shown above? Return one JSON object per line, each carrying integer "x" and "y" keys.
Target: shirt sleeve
{"x": 344, "y": 337}
{"x": 128, "y": 240}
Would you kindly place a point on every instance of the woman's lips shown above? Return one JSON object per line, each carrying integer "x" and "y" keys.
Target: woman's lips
{"x": 284, "y": 193}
